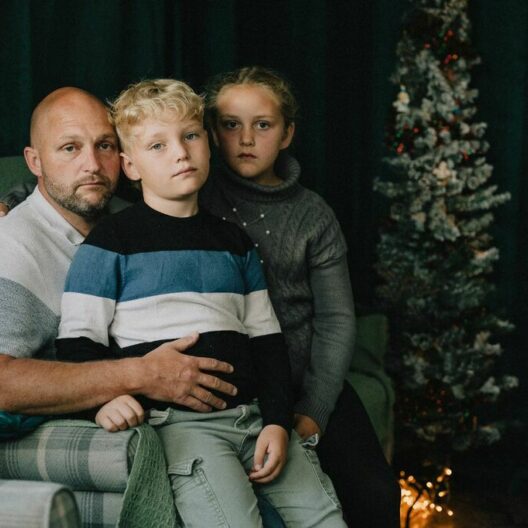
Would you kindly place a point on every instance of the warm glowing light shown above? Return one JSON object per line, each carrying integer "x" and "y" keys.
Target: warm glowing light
{"x": 420, "y": 501}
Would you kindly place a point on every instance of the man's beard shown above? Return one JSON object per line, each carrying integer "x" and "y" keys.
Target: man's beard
{"x": 66, "y": 197}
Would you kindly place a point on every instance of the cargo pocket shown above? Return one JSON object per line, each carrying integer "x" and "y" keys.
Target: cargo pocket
{"x": 195, "y": 499}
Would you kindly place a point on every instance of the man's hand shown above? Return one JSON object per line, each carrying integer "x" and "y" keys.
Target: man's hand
{"x": 120, "y": 414}
{"x": 270, "y": 456}
{"x": 179, "y": 378}
{"x": 305, "y": 426}
{"x": 3, "y": 209}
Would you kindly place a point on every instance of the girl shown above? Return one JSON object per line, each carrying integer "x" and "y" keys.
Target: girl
{"x": 251, "y": 113}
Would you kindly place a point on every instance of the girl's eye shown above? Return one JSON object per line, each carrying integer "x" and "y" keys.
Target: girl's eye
{"x": 230, "y": 124}
{"x": 191, "y": 136}
{"x": 262, "y": 125}
{"x": 156, "y": 146}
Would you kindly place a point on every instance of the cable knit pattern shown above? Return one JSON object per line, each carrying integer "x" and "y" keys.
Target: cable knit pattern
{"x": 295, "y": 231}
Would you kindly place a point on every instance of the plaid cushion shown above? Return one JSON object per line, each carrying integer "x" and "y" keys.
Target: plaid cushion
{"x": 99, "y": 510}
{"x": 85, "y": 458}
{"x": 37, "y": 505}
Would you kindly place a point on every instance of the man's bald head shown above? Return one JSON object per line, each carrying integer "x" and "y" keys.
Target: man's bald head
{"x": 74, "y": 154}
{"x": 62, "y": 100}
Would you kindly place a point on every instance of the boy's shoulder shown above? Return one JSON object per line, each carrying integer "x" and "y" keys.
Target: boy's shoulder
{"x": 109, "y": 231}
{"x": 227, "y": 232}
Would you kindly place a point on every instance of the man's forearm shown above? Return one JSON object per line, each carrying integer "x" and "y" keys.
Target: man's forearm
{"x": 33, "y": 386}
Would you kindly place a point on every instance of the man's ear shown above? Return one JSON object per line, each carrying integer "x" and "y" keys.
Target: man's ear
{"x": 129, "y": 168}
{"x": 33, "y": 161}
{"x": 288, "y": 136}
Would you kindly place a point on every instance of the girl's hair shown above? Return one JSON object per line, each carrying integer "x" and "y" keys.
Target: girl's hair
{"x": 251, "y": 75}
{"x": 152, "y": 99}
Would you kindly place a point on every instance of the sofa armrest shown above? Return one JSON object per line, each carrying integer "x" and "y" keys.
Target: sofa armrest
{"x": 37, "y": 505}
{"x": 368, "y": 377}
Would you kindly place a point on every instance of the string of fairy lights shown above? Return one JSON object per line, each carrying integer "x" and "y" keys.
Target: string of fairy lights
{"x": 421, "y": 500}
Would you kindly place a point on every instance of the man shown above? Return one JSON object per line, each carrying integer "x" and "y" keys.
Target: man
{"x": 74, "y": 155}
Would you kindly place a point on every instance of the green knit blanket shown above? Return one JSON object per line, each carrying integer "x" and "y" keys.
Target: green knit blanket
{"x": 147, "y": 500}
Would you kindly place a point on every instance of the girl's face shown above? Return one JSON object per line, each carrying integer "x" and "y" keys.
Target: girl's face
{"x": 250, "y": 131}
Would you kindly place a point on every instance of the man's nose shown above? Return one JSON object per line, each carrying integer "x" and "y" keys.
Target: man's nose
{"x": 92, "y": 162}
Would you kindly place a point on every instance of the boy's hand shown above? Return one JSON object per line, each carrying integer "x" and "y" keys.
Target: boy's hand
{"x": 305, "y": 426}
{"x": 3, "y": 209}
{"x": 120, "y": 414}
{"x": 270, "y": 454}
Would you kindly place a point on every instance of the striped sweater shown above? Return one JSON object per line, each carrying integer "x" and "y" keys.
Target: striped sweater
{"x": 142, "y": 278}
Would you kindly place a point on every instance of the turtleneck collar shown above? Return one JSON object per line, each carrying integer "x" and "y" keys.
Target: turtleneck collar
{"x": 287, "y": 169}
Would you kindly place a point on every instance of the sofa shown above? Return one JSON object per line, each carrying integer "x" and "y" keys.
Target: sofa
{"x": 69, "y": 473}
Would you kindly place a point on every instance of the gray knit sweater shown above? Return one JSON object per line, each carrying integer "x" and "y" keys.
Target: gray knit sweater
{"x": 303, "y": 252}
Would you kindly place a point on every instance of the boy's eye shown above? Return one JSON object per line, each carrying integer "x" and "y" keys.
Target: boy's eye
{"x": 230, "y": 124}
{"x": 156, "y": 146}
{"x": 262, "y": 125}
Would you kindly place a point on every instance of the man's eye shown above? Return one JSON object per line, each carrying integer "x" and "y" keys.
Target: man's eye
{"x": 106, "y": 146}
{"x": 69, "y": 148}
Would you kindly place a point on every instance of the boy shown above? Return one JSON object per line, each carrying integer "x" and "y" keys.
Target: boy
{"x": 163, "y": 268}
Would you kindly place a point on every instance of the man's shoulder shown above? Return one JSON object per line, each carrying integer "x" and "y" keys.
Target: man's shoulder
{"x": 22, "y": 219}
{"x": 19, "y": 234}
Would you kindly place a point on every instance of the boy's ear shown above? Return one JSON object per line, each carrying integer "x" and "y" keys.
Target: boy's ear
{"x": 33, "y": 161}
{"x": 288, "y": 136}
{"x": 129, "y": 168}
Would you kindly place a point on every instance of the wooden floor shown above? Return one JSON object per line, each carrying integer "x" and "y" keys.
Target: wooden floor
{"x": 473, "y": 510}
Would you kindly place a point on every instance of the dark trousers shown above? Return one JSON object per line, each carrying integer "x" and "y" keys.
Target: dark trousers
{"x": 351, "y": 456}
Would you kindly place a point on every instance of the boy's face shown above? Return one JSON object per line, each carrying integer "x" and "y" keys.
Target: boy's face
{"x": 250, "y": 131}
{"x": 170, "y": 157}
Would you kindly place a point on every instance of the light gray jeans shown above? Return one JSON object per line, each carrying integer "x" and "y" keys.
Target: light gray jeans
{"x": 209, "y": 456}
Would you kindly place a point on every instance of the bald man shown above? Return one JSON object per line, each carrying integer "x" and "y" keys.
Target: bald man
{"x": 74, "y": 155}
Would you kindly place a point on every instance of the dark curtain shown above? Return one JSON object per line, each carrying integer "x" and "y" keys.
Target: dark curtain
{"x": 339, "y": 54}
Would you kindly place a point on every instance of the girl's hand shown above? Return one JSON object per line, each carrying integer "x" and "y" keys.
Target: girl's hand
{"x": 305, "y": 426}
{"x": 120, "y": 414}
{"x": 270, "y": 454}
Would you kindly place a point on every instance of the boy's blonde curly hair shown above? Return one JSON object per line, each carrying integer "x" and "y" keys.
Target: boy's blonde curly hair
{"x": 153, "y": 99}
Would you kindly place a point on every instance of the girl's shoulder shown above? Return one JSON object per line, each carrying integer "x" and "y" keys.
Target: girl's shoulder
{"x": 314, "y": 206}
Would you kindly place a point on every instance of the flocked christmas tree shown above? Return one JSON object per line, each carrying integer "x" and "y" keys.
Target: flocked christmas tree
{"x": 436, "y": 253}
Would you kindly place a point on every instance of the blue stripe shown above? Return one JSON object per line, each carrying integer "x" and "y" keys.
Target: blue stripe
{"x": 94, "y": 271}
{"x": 100, "y": 272}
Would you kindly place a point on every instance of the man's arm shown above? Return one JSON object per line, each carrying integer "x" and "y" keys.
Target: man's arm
{"x": 34, "y": 386}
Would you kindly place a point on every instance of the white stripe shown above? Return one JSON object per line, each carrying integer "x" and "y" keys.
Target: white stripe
{"x": 259, "y": 318}
{"x": 86, "y": 316}
{"x": 165, "y": 316}
{"x": 175, "y": 315}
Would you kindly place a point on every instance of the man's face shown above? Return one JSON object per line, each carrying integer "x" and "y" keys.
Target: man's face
{"x": 78, "y": 155}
